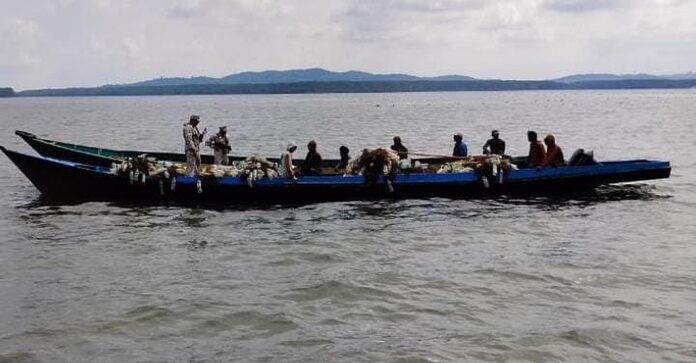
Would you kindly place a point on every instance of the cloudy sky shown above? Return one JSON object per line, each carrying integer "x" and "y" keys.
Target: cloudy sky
{"x": 61, "y": 43}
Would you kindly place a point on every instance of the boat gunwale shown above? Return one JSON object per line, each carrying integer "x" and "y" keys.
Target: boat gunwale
{"x": 518, "y": 175}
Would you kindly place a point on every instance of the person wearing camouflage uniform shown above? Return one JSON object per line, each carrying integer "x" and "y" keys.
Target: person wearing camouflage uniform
{"x": 220, "y": 144}
{"x": 192, "y": 140}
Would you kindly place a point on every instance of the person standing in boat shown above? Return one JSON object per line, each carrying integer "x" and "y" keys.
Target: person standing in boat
{"x": 286, "y": 168}
{"x": 192, "y": 141}
{"x": 220, "y": 144}
{"x": 494, "y": 145}
{"x": 399, "y": 148}
{"x": 460, "y": 148}
{"x": 312, "y": 162}
{"x": 537, "y": 153}
{"x": 554, "y": 154}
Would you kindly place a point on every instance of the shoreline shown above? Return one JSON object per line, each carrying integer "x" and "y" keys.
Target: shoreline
{"x": 329, "y": 87}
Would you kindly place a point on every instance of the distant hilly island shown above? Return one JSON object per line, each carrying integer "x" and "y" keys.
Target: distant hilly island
{"x": 591, "y": 77}
{"x": 317, "y": 80}
{"x": 294, "y": 76}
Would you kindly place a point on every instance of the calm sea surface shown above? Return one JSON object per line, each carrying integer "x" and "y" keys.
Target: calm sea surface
{"x": 609, "y": 276}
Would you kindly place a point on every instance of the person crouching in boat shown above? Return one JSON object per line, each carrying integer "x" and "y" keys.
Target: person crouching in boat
{"x": 344, "y": 152}
{"x": 220, "y": 144}
{"x": 312, "y": 162}
{"x": 286, "y": 168}
{"x": 460, "y": 148}
{"x": 554, "y": 154}
{"x": 192, "y": 140}
{"x": 537, "y": 153}
{"x": 399, "y": 148}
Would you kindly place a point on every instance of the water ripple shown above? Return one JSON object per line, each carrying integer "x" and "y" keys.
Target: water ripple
{"x": 605, "y": 275}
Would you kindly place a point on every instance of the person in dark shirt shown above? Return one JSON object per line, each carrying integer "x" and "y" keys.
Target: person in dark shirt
{"x": 345, "y": 156}
{"x": 537, "y": 153}
{"x": 312, "y": 162}
{"x": 554, "y": 154}
{"x": 400, "y": 148}
{"x": 495, "y": 145}
{"x": 460, "y": 148}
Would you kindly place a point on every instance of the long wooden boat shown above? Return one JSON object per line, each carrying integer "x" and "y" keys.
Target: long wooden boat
{"x": 68, "y": 180}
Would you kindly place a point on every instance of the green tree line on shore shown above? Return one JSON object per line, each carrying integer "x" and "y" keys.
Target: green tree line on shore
{"x": 6, "y": 92}
{"x": 351, "y": 87}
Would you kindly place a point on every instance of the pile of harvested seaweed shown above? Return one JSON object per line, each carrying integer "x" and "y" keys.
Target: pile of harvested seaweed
{"x": 373, "y": 163}
{"x": 256, "y": 167}
{"x": 481, "y": 164}
{"x": 142, "y": 166}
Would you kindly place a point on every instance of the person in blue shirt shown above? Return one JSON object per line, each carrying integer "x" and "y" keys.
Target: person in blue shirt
{"x": 460, "y": 148}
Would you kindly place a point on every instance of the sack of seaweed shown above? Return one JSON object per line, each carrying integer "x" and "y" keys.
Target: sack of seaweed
{"x": 459, "y": 166}
{"x": 218, "y": 171}
{"x": 256, "y": 167}
{"x": 141, "y": 163}
{"x": 581, "y": 157}
{"x": 373, "y": 163}
{"x": 481, "y": 164}
{"x": 138, "y": 168}
{"x": 493, "y": 164}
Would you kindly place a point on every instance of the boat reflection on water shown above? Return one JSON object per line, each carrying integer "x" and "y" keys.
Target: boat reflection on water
{"x": 599, "y": 195}
{"x": 384, "y": 207}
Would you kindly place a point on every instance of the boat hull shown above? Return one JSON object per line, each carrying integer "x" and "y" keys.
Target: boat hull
{"x": 64, "y": 180}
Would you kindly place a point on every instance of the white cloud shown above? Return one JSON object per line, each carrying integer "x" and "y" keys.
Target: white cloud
{"x": 55, "y": 43}
{"x": 19, "y": 45}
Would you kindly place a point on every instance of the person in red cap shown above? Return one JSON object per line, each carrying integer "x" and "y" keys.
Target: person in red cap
{"x": 554, "y": 154}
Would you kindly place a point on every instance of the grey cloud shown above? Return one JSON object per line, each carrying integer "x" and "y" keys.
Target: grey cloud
{"x": 574, "y": 6}
{"x": 395, "y": 20}
{"x": 189, "y": 8}
{"x": 185, "y": 12}
{"x": 424, "y": 6}
{"x": 227, "y": 9}
{"x": 391, "y": 8}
